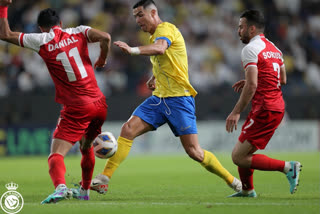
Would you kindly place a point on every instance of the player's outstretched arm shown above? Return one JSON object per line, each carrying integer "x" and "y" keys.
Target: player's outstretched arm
{"x": 157, "y": 48}
{"x": 5, "y": 32}
{"x": 105, "y": 42}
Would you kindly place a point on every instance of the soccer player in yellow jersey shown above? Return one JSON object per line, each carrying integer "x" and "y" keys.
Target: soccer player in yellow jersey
{"x": 172, "y": 101}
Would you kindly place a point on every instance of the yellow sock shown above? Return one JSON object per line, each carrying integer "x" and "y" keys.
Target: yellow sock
{"x": 212, "y": 164}
{"x": 124, "y": 146}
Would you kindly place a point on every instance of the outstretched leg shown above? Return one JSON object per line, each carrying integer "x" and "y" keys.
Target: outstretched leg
{"x": 208, "y": 160}
{"x": 129, "y": 131}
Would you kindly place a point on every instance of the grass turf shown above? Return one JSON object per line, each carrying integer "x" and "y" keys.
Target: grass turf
{"x": 166, "y": 184}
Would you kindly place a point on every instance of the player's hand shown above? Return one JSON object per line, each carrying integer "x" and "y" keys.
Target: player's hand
{"x": 5, "y": 2}
{"x": 239, "y": 85}
{"x": 124, "y": 46}
{"x": 100, "y": 63}
{"x": 151, "y": 83}
{"x": 232, "y": 122}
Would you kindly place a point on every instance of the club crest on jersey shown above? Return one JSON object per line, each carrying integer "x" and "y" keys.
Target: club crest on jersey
{"x": 62, "y": 43}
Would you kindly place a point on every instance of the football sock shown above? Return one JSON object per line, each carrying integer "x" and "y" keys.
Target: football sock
{"x": 57, "y": 169}
{"x": 87, "y": 166}
{"x": 246, "y": 177}
{"x": 212, "y": 164}
{"x": 124, "y": 146}
{"x": 263, "y": 162}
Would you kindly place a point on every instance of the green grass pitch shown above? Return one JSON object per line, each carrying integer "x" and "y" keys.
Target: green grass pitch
{"x": 166, "y": 184}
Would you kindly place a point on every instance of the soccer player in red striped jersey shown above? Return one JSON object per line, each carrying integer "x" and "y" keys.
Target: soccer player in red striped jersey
{"x": 65, "y": 52}
{"x": 264, "y": 74}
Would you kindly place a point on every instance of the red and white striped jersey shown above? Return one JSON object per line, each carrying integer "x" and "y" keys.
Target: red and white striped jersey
{"x": 264, "y": 55}
{"x": 65, "y": 52}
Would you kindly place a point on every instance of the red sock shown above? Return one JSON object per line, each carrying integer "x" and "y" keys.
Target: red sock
{"x": 57, "y": 169}
{"x": 87, "y": 165}
{"x": 263, "y": 162}
{"x": 246, "y": 177}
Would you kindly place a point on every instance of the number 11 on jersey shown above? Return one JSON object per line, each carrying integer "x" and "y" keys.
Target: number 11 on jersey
{"x": 67, "y": 65}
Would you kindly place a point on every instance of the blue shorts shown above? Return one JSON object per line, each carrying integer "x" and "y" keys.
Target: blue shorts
{"x": 178, "y": 112}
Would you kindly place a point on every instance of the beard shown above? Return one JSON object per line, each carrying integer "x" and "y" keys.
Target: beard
{"x": 245, "y": 38}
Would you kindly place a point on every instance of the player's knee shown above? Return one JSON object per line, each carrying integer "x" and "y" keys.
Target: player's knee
{"x": 236, "y": 158}
{"x": 126, "y": 130}
{"x": 240, "y": 160}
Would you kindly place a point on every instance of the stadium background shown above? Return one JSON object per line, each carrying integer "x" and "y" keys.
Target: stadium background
{"x": 28, "y": 112}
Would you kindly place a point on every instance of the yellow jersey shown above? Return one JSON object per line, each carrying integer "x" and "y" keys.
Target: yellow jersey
{"x": 171, "y": 69}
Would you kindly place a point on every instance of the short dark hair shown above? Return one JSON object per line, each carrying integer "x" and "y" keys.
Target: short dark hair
{"x": 144, "y": 3}
{"x": 48, "y": 18}
{"x": 254, "y": 17}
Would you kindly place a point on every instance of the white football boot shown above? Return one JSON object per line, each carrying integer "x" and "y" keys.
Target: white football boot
{"x": 100, "y": 184}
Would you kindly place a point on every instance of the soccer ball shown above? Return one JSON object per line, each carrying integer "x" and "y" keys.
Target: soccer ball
{"x": 105, "y": 145}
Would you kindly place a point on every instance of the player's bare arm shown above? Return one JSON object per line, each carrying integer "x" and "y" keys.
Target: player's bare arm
{"x": 283, "y": 75}
{"x": 105, "y": 42}
{"x": 151, "y": 83}
{"x": 248, "y": 91}
{"x": 5, "y": 32}
{"x": 157, "y": 48}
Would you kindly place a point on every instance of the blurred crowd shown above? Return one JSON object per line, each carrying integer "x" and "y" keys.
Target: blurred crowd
{"x": 208, "y": 26}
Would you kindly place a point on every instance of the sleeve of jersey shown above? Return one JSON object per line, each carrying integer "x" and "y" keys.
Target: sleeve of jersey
{"x": 249, "y": 57}
{"x": 165, "y": 33}
{"x": 84, "y": 30}
{"x": 30, "y": 40}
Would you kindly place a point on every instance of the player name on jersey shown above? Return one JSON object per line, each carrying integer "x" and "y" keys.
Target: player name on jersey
{"x": 270, "y": 54}
{"x": 62, "y": 43}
